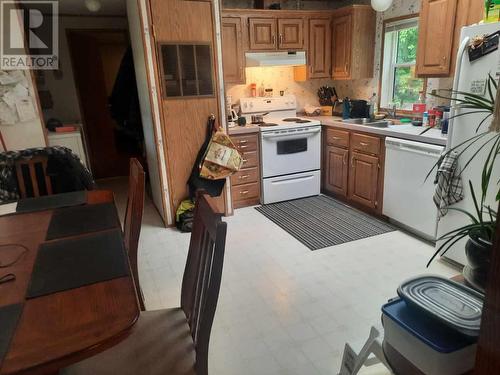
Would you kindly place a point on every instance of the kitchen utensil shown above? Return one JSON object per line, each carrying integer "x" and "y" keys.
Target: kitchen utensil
{"x": 233, "y": 115}
{"x": 257, "y": 119}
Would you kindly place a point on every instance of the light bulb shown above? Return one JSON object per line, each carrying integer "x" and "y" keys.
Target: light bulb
{"x": 93, "y": 5}
{"x": 381, "y": 5}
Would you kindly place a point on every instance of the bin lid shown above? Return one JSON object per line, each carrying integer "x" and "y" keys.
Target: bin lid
{"x": 456, "y": 305}
{"x": 427, "y": 329}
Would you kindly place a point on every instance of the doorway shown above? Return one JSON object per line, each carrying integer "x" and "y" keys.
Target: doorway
{"x": 105, "y": 84}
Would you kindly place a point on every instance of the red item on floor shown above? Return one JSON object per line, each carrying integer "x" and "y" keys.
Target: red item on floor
{"x": 66, "y": 129}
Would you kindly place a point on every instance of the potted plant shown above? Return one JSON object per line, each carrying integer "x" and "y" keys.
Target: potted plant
{"x": 481, "y": 229}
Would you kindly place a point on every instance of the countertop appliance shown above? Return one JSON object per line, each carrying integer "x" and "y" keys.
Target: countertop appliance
{"x": 407, "y": 194}
{"x": 470, "y": 76}
{"x": 290, "y": 148}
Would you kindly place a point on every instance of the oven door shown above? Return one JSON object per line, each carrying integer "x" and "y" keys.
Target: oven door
{"x": 291, "y": 151}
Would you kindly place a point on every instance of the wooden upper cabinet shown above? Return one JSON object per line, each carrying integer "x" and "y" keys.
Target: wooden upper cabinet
{"x": 363, "y": 179}
{"x": 291, "y": 33}
{"x": 320, "y": 41}
{"x": 232, "y": 50}
{"x": 262, "y": 34}
{"x": 435, "y": 41}
{"x": 341, "y": 49}
{"x": 353, "y": 42}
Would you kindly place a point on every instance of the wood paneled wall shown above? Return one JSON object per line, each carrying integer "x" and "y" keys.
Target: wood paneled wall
{"x": 184, "y": 119}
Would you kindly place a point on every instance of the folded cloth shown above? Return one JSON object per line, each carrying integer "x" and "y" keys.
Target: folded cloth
{"x": 449, "y": 188}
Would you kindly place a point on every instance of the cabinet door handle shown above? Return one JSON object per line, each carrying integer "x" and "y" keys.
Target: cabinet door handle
{"x": 352, "y": 161}
{"x": 242, "y": 142}
{"x": 330, "y": 144}
{"x": 274, "y": 39}
{"x": 336, "y": 138}
{"x": 364, "y": 144}
{"x": 242, "y": 146}
{"x": 345, "y": 159}
{"x": 281, "y": 39}
{"x": 244, "y": 160}
{"x": 244, "y": 176}
{"x": 244, "y": 192}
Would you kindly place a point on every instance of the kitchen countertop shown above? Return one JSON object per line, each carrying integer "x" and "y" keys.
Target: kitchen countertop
{"x": 247, "y": 129}
{"x": 403, "y": 131}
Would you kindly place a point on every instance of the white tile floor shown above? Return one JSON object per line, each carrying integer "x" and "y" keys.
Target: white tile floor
{"x": 283, "y": 309}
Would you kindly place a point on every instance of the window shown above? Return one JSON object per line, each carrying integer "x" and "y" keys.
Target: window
{"x": 399, "y": 85}
{"x": 187, "y": 70}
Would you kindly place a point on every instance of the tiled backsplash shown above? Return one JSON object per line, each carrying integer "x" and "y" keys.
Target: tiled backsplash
{"x": 281, "y": 78}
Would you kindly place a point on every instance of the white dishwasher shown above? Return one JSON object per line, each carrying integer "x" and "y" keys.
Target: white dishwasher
{"x": 407, "y": 195}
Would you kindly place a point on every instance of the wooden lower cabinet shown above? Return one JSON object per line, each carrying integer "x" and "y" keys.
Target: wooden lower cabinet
{"x": 353, "y": 167}
{"x": 245, "y": 184}
{"x": 363, "y": 179}
{"x": 336, "y": 175}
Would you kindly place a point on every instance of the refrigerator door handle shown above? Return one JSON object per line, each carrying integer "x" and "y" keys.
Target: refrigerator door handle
{"x": 458, "y": 66}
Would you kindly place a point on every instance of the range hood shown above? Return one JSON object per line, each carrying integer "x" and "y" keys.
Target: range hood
{"x": 275, "y": 58}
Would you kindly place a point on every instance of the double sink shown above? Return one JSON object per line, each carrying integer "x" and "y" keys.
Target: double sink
{"x": 368, "y": 122}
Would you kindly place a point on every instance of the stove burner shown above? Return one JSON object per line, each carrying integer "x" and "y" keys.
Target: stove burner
{"x": 297, "y": 120}
{"x": 266, "y": 124}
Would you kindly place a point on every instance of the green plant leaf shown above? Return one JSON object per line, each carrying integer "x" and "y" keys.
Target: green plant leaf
{"x": 474, "y": 199}
{"x": 449, "y": 243}
{"x": 473, "y": 219}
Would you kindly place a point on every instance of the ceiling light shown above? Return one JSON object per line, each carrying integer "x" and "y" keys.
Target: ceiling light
{"x": 93, "y": 5}
{"x": 381, "y": 5}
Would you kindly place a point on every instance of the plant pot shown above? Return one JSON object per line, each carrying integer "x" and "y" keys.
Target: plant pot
{"x": 478, "y": 257}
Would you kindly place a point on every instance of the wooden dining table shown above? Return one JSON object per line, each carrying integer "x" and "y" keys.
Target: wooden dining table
{"x": 56, "y": 330}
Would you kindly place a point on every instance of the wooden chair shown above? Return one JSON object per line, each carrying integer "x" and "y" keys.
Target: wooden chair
{"x": 133, "y": 220}
{"x": 31, "y": 183}
{"x": 174, "y": 341}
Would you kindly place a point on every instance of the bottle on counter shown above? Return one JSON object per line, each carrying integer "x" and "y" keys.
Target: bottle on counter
{"x": 425, "y": 119}
{"x": 253, "y": 89}
{"x": 373, "y": 106}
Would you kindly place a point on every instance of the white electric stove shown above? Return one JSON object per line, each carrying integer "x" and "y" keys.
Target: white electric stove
{"x": 290, "y": 148}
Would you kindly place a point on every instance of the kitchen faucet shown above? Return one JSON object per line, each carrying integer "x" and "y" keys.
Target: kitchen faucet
{"x": 392, "y": 114}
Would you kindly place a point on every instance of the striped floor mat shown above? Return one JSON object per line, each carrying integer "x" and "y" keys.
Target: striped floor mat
{"x": 321, "y": 221}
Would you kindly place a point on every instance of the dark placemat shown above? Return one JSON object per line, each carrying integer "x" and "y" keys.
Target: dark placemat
{"x": 49, "y": 202}
{"x": 73, "y": 221}
{"x": 9, "y": 315}
{"x": 72, "y": 263}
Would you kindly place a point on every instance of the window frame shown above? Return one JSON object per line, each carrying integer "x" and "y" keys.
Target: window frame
{"x": 396, "y": 65}
{"x": 163, "y": 86}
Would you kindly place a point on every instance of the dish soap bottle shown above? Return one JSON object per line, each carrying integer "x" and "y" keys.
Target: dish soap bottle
{"x": 373, "y": 106}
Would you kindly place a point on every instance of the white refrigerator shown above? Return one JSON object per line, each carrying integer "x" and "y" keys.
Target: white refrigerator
{"x": 469, "y": 76}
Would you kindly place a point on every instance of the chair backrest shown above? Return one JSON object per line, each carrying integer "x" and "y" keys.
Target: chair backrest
{"x": 133, "y": 220}
{"x": 202, "y": 276}
{"x": 32, "y": 177}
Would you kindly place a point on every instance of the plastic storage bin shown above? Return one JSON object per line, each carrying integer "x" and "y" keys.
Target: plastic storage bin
{"x": 430, "y": 345}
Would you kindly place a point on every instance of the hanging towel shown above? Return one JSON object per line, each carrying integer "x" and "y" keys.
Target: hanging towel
{"x": 449, "y": 188}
